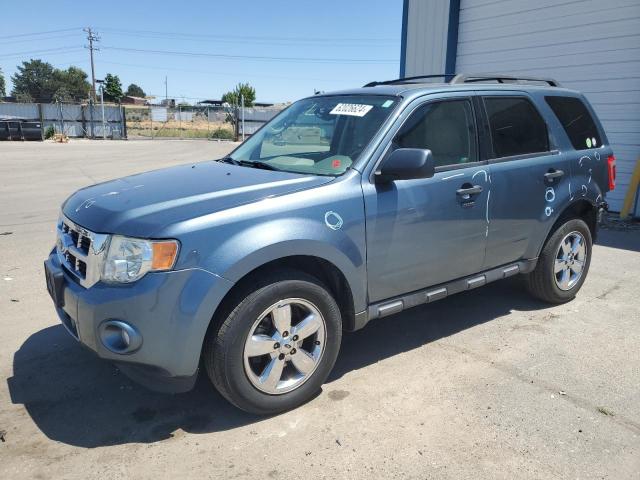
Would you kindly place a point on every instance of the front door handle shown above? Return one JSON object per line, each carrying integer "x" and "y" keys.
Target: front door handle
{"x": 466, "y": 191}
{"x": 552, "y": 174}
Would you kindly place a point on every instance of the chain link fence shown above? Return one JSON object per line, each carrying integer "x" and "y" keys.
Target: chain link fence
{"x": 212, "y": 122}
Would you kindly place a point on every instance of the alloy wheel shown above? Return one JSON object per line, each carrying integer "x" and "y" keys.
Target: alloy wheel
{"x": 284, "y": 346}
{"x": 570, "y": 260}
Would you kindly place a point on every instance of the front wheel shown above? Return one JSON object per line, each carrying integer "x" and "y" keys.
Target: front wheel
{"x": 274, "y": 350}
{"x": 563, "y": 264}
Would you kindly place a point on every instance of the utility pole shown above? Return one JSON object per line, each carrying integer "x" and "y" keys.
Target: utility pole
{"x": 166, "y": 95}
{"x": 92, "y": 37}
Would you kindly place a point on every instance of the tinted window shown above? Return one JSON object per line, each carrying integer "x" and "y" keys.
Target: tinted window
{"x": 576, "y": 120}
{"x": 516, "y": 126}
{"x": 446, "y": 128}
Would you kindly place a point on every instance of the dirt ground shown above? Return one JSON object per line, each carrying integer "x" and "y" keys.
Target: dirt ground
{"x": 486, "y": 384}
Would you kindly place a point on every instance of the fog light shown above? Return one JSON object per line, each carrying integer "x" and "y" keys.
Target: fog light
{"x": 119, "y": 337}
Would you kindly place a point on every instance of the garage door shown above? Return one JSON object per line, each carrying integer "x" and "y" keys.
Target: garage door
{"x": 591, "y": 46}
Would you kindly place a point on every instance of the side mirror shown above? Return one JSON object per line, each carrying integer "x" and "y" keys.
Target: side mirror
{"x": 406, "y": 164}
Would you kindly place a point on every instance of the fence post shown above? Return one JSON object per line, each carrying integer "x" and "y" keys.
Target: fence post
{"x": 91, "y": 123}
{"x": 41, "y": 116}
{"x": 123, "y": 117}
{"x": 61, "y": 119}
{"x": 180, "y": 119}
{"x": 242, "y": 101}
{"x": 83, "y": 119}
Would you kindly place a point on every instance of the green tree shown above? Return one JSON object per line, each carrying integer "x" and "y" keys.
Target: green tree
{"x": 3, "y": 86}
{"x": 39, "y": 81}
{"x": 112, "y": 87}
{"x": 134, "y": 90}
{"x": 36, "y": 79}
{"x": 242, "y": 89}
{"x": 72, "y": 84}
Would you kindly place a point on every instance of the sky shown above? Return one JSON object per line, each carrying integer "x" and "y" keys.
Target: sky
{"x": 286, "y": 49}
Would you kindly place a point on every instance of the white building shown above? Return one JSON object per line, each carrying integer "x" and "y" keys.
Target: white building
{"x": 589, "y": 45}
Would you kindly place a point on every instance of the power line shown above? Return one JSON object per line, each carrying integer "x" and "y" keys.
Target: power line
{"x": 53, "y": 37}
{"x": 253, "y": 57}
{"x": 39, "y": 33}
{"x": 229, "y": 74}
{"x": 67, "y": 48}
{"x": 251, "y": 38}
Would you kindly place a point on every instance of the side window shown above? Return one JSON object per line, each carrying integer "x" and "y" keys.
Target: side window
{"x": 576, "y": 121}
{"x": 447, "y": 128}
{"x": 516, "y": 126}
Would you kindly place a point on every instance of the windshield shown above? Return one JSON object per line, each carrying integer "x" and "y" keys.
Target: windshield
{"x": 318, "y": 135}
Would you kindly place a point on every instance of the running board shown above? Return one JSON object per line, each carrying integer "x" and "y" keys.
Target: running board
{"x": 431, "y": 294}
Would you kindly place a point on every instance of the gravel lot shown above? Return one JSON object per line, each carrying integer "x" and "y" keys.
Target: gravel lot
{"x": 486, "y": 384}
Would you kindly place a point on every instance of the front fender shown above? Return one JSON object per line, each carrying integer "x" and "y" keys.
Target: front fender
{"x": 276, "y": 239}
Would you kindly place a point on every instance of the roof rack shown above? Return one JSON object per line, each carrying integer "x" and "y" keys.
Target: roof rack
{"x": 399, "y": 81}
{"x": 499, "y": 78}
{"x": 460, "y": 78}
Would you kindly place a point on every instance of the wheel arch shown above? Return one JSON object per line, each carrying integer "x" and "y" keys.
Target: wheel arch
{"x": 320, "y": 268}
{"x": 581, "y": 208}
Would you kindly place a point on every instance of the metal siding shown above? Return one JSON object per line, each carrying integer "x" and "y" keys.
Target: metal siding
{"x": 588, "y": 45}
{"x": 426, "y": 37}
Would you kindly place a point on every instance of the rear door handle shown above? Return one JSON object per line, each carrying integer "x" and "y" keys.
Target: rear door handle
{"x": 553, "y": 174}
{"x": 466, "y": 192}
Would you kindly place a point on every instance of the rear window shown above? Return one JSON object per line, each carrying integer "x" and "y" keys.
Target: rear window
{"x": 516, "y": 126}
{"x": 576, "y": 121}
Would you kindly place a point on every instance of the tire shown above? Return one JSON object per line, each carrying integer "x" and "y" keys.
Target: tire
{"x": 228, "y": 352}
{"x": 549, "y": 281}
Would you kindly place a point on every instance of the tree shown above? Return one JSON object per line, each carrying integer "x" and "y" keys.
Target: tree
{"x": 36, "y": 79}
{"x": 3, "y": 86}
{"x": 72, "y": 84}
{"x": 242, "y": 89}
{"x": 41, "y": 82}
{"x": 134, "y": 90}
{"x": 112, "y": 87}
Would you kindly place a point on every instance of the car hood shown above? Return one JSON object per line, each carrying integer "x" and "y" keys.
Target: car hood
{"x": 141, "y": 205}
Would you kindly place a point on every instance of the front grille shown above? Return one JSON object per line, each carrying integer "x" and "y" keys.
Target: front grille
{"x": 80, "y": 251}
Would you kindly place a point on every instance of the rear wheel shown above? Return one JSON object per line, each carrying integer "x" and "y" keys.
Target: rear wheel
{"x": 563, "y": 264}
{"x": 274, "y": 350}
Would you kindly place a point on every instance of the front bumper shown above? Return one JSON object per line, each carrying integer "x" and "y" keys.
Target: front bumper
{"x": 171, "y": 311}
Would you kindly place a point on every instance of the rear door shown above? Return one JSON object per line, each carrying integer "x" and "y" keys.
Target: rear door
{"x": 530, "y": 177}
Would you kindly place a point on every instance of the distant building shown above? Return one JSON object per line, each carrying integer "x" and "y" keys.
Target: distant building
{"x": 130, "y": 100}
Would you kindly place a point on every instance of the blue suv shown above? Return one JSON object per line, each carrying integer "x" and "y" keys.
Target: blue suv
{"x": 344, "y": 208}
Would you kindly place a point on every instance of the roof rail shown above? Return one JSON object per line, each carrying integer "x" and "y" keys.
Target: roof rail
{"x": 459, "y": 78}
{"x": 445, "y": 76}
{"x": 483, "y": 77}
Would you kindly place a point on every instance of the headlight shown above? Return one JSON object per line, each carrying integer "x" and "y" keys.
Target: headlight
{"x": 129, "y": 259}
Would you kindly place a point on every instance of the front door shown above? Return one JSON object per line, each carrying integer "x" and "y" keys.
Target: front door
{"x": 427, "y": 231}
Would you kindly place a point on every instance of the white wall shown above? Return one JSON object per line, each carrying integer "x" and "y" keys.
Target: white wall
{"x": 427, "y": 26}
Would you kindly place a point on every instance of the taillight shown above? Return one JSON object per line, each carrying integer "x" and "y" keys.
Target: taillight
{"x": 611, "y": 169}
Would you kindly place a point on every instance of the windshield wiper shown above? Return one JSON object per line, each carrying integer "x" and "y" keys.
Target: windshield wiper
{"x": 258, "y": 164}
{"x": 249, "y": 163}
{"x": 228, "y": 159}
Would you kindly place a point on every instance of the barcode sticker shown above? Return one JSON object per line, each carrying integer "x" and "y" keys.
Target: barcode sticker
{"x": 353, "y": 109}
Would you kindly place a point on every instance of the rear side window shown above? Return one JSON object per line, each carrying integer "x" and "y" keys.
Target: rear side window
{"x": 576, "y": 121}
{"x": 516, "y": 126}
{"x": 447, "y": 128}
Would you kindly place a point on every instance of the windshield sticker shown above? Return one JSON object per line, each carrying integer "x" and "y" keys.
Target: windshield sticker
{"x": 588, "y": 143}
{"x": 353, "y": 109}
{"x": 387, "y": 104}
